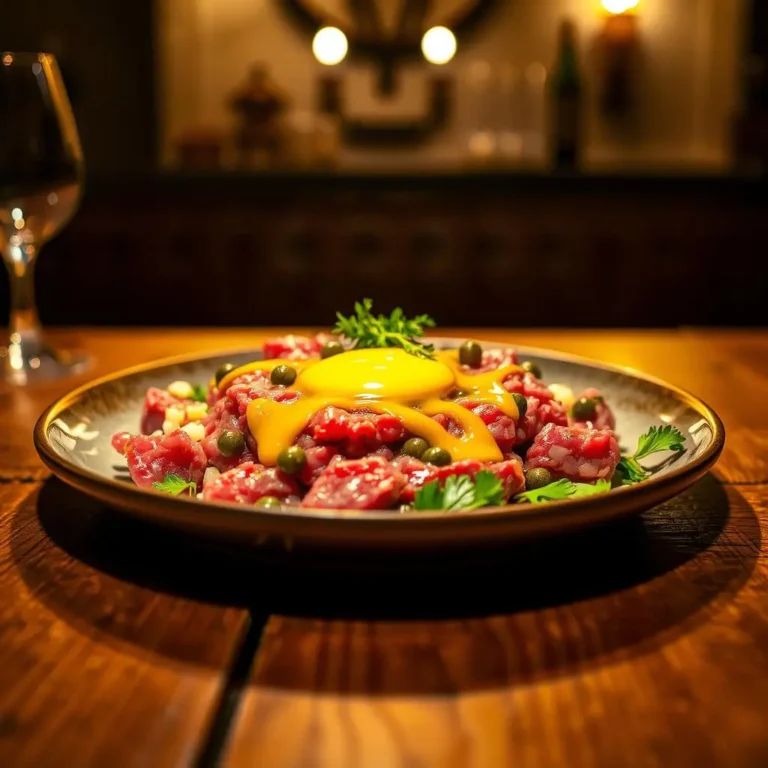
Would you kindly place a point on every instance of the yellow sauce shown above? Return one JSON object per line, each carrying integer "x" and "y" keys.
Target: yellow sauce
{"x": 387, "y": 381}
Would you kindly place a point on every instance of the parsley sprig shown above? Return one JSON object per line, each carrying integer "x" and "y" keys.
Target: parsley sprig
{"x": 656, "y": 439}
{"x": 175, "y": 484}
{"x": 564, "y": 489}
{"x": 368, "y": 330}
{"x": 461, "y": 492}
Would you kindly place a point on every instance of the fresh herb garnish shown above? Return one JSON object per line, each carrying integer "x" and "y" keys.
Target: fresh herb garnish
{"x": 461, "y": 492}
{"x": 199, "y": 393}
{"x": 175, "y": 484}
{"x": 656, "y": 439}
{"x": 368, "y": 330}
{"x": 564, "y": 489}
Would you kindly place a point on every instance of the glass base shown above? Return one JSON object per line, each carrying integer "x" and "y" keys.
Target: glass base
{"x": 29, "y": 360}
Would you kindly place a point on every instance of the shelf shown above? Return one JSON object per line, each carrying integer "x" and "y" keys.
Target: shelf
{"x": 444, "y": 183}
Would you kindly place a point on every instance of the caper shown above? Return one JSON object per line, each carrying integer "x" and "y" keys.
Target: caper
{"x": 292, "y": 460}
{"x": 283, "y": 374}
{"x": 331, "y": 348}
{"x": 222, "y": 372}
{"x": 530, "y": 367}
{"x": 415, "y": 447}
{"x": 437, "y": 456}
{"x": 537, "y": 478}
{"x": 471, "y": 353}
{"x": 584, "y": 408}
{"x": 231, "y": 443}
{"x": 268, "y": 502}
{"x": 521, "y": 403}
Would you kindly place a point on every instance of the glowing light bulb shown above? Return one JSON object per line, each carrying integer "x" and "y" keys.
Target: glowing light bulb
{"x": 16, "y": 214}
{"x": 330, "y": 46}
{"x": 438, "y": 45}
{"x": 620, "y": 6}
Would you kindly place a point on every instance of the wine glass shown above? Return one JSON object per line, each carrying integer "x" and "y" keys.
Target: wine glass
{"x": 41, "y": 172}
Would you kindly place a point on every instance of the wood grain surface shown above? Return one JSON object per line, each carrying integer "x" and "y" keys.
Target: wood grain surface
{"x": 98, "y": 669}
{"x": 640, "y": 643}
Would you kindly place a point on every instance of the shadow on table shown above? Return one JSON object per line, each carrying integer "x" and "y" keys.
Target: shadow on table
{"x": 542, "y": 608}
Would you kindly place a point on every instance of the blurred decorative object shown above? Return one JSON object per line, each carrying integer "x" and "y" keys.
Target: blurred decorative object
{"x": 566, "y": 102}
{"x": 388, "y": 132}
{"x": 480, "y": 111}
{"x": 259, "y": 104}
{"x": 312, "y": 140}
{"x": 330, "y": 100}
{"x": 619, "y": 46}
{"x": 533, "y": 104}
{"x": 387, "y": 34}
{"x": 200, "y": 148}
{"x": 504, "y": 113}
{"x": 509, "y": 128}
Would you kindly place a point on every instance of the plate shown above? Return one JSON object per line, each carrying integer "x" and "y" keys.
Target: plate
{"x": 73, "y": 439}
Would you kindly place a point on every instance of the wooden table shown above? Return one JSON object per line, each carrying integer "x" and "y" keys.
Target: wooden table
{"x": 642, "y": 643}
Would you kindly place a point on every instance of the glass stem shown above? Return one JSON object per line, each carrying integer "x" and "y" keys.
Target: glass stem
{"x": 24, "y": 323}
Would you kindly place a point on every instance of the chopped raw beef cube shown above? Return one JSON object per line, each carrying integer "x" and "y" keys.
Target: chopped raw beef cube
{"x": 371, "y": 483}
{"x": 581, "y": 455}
{"x": 292, "y": 347}
{"x": 150, "y": 459}
{"x": 510, "y": 472}
{"x": 249, "y": 482}
{"x": 355, "y": 434}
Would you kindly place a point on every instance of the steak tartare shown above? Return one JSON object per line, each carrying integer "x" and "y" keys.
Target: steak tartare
{"x": 369, "y": 417}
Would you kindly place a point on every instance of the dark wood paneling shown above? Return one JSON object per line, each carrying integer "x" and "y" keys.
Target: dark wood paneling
{"x": 471, "y": 250}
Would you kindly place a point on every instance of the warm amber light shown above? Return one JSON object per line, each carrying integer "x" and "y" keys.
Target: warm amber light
{"x": 7, "y": 59}
{"x": 620, "y": 6}
{"x": 438, "y": 45}
{"x": 330, "y": 46}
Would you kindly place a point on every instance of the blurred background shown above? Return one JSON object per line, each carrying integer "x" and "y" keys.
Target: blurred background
{"x": 491, "y": 162}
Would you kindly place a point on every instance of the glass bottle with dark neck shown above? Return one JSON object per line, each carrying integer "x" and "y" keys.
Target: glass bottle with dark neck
{"x": 566, "y": 102}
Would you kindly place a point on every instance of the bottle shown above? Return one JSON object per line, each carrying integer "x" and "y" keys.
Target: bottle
{"x": 566, "y": 102}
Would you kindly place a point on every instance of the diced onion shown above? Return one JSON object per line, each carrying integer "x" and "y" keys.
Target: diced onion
{"x": 181, "y": 389}
{"x": 563, "y": 394}
{"x": 195, "y": 430}
{"x": 210, "y": 474}
{"x": 196, "y": 411}
{"x": 174, "y": 413}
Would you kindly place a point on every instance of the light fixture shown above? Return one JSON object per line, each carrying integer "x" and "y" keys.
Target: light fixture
{"x": 330, "y": 46}
{"x": 438, "y": 45}
{"x": 620, "y": 6}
